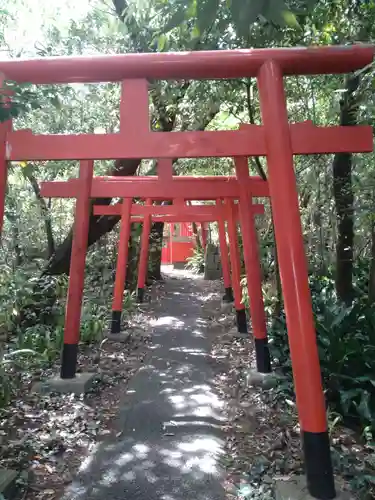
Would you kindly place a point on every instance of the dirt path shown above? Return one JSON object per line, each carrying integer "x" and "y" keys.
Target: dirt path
{"x": 168, "y": 438}
{"x": 173, "y": 417}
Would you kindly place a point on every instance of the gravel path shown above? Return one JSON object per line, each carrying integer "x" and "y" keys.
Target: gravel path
{"x": 169, "y": 440}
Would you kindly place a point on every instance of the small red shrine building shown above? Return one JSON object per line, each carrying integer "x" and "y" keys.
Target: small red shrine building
{"x": 178, "y": 243}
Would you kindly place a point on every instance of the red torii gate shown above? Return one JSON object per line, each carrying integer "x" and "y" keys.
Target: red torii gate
{"x": 276, "y": 139}
{"x": 183, "y": 188}
{"x": 180, "y": 212}
{"x": 165, "y": 186}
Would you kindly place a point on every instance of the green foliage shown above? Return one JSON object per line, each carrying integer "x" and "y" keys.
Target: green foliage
{"x": 359, "y": 474}
{"x": 11, "y": 365}
{"x": 46, "y": 340}
{"x": 203, "y": 15}
{"x": 345, "y": 335}
{"x": 93, "y": 323}
{"x": 346, "y": 343}
{"x": 128, "y": 302}
{"x": 33, "y": 310}
{"x": 196, "y": 262}
{"x": 16, "y": 99}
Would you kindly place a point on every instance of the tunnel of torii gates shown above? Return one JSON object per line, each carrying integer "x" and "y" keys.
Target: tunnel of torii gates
{"x": 276, "y": 139}
{"x": 184, "y": 188}
{"x": 180, "y": 212}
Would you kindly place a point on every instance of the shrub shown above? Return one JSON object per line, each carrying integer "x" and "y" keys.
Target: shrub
{"x": 196, "y": 262}
{"x": 346, "y": 344}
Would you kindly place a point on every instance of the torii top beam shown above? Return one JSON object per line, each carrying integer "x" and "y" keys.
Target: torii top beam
{"x": 187, "y": 65}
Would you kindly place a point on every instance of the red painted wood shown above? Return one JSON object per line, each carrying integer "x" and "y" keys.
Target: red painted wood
{"x": 171, "y": 242}
{"x": 122, "y": 258}
{"x": 234, "y": 252}
{"x": 194, "y": 189}
{"x": 177, "y": 219}
{"x": 165, "y": 169}
{"x": 134, "y": 109}
{"x": 291, "y": 252}
{"x": 179, "y": 202}
{"x": 187, "y": 65}
{"x": 172, "y": 209}
{"x": 174, "y": 250}
{"x": 5, "y": 128}
{"x": 224, "y": 255}
{"x": 147, "y": 145}
{"x": 145, "y": 245}
{"x": 78, "y": 255}
{"x": 186, "y": 230}
{"x": 207, "y": 179}
{"x": 306, "y": 139}
{"x": 171, "y": 213}
{"x": 166, "y": 255}
{"x": 180, "y": 251}
{"x": 251, "y": 254}
{"x": 212, "y": 212}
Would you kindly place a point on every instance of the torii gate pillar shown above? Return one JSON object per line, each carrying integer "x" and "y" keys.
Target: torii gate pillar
{"x": 295, "y": 285}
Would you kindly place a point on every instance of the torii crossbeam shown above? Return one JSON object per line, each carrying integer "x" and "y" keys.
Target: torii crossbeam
{"x": 184, "y": 187}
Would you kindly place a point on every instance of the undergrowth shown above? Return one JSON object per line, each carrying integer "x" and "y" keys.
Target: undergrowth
{"x": 34, "y": 344}
{"x": 195, "y": 263}
{"x": 346, "y": 346}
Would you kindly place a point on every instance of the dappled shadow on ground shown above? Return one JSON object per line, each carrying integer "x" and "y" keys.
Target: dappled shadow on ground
{"x": 169, "y": 439}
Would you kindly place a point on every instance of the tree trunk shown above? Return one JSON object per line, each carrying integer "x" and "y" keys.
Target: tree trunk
{"x": 99, "y": 225}
{"x": 344, "y": 199}
{"x": 132, "y": 264}
{"x": 44, "y": 210}
{"x": 371, "y": 285}
{"x": 13, "y": 218}
{"x": 198, "y": 242}
{"x": 156, "y": 244}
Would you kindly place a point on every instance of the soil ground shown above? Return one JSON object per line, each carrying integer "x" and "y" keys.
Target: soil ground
{"x": 172, "y": 418}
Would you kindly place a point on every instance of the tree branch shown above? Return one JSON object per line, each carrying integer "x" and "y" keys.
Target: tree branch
{"x": 250, "y": 111}
{"x": 45, "y": 213}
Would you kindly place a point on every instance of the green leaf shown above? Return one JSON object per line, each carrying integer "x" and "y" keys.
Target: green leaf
{"x": 162, "y": 40}
{"x": 176, "y": 20}
{"x": 277, "y": 12}
{"x": 364, "y": 406}
{"x": 245, "y": 13}
{"x": 192, "y": 9}
{"x": 20, "y": 352}
{"x": 55, "y": 101}
{"x": 36, "y": 105}
{"x": 340, "y": 317}
{"x": 290, "y": 19}
{"x": 206, "y": 13}
{"x": 196, "y": 32}
{"x": 346, "y": 398}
